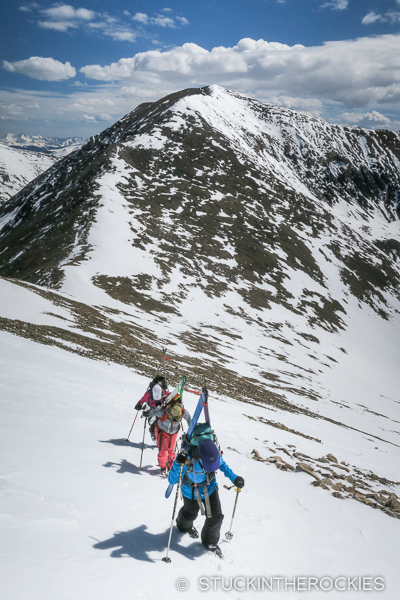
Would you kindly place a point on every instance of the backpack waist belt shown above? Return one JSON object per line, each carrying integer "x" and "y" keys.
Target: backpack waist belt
{"x": 207, "y": 512}
{"x": 195, "y": 492}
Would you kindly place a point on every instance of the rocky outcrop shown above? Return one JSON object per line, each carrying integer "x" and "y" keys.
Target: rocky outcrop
{"x": 326, "y": 472}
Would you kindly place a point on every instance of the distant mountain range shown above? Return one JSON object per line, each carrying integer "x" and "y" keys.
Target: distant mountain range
{"x": 19, "y": 167}
{"x": 47, "y": 145}
{"x": 24, "y": 157}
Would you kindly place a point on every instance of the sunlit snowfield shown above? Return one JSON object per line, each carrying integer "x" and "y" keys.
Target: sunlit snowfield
{"x": 80, "y": 520}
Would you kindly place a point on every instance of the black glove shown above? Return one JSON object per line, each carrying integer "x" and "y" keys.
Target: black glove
{"x": 239, "y": 482}
{"x": 138, "y": 406}
{"x": 181, "y": 458}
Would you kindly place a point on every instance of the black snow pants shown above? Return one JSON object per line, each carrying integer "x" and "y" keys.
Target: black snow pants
{"x": 212, "y": 525}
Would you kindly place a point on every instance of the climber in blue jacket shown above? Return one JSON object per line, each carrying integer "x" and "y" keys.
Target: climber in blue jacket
{"x": 200, "y": 492}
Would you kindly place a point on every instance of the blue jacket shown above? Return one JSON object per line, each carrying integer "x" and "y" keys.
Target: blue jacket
{"x": 199, "y": 477}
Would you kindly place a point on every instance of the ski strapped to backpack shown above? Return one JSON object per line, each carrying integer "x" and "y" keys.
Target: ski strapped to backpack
{"x": 176, "y": 393}
{"x": 202, "y": 404}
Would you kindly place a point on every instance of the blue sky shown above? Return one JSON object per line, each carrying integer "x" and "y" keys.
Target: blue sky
{"x": 73, "y": 69}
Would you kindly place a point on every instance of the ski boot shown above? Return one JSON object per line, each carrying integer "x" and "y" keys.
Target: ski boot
{"x": 152, "y": 431}
{"x": 216, "y": 549}
{"x": 193, "y": 533}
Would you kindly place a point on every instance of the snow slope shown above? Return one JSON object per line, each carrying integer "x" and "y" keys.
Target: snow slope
{"x": 73, "y": 499}
{"x": 80, "y": 520}
{"x": 18, "y": 168}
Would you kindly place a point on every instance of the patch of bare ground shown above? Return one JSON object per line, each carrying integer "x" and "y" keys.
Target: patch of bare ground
{"x": 341, "y": 479}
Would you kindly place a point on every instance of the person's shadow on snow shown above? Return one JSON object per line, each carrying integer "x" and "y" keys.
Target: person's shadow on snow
{"x": 126, "y": 467}
{"x": 137, "y": 543}
{"x": 124, "y": 442}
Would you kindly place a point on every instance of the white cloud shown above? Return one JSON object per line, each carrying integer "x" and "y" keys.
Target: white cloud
{"x": 336, "y": 4}
{"x": 44, "y": 69}
{"x": 163, "y": 21}
{"x": 118, "y": 33}
{"x": 371, "y": 120}
{"x": 11, "y": 112}
{"x": 67, "y": 12}
{"x": 141, "y": 18}
{"x": 393, "y": 16}
{"x": 66, "y": 18}
{"x": 84, "y": 102}
{"x": 29, "y": 7}
{"x": 63, "y": 17}
{"x": 371, "y": 17}
{"x": 97, "y": 118}
{"x": 359, "y": 78}
{"x": 89, "y": 118}
{"x": 308, "y": 105}
{"x": 58, "y": 25}
{"x": 353, "y": 72}
{"x": 160, "y": 20}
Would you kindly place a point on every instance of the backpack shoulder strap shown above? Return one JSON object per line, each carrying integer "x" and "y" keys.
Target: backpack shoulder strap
{"x": 164, "y": 417}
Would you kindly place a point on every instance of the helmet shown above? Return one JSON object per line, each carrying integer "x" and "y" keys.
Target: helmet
{"x": 157, "y": 392}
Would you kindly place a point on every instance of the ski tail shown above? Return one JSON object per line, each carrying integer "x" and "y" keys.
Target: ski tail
{"x": 202, "y": 404}
{"x": 204, "y": 401}
{"x": 169, "y": 489}
{"x": 176, "y": 393}
{"x": 195, "y": 417}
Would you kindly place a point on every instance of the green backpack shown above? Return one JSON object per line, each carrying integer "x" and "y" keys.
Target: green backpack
{"x": 201, "y": 432}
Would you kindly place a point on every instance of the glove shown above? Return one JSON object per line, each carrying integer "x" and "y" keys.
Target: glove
{"x": 138, "y": 406}
{"x": 181, "y": 458}
{"x": 239, "y": 482}
{"x": 146, "y": 410}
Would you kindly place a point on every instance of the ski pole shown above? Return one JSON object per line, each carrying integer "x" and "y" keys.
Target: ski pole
{"x": 158, "y": 366}
{"x": 163, "y": 352}
{"x": 144, "y": 432}
{"x": 176, "y": 443}
{"x": 229, "y": 534}
{"x": 166, "y": 558}
{"x": 127, "y": 439}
